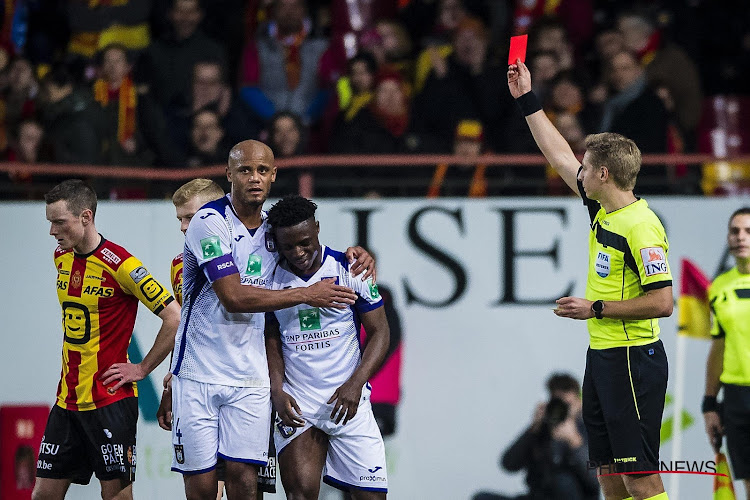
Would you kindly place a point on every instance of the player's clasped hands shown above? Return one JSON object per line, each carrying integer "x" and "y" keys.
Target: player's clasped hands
{"x": 326, "y": 293}
{"x": 287, "y": 409}
{"x": 345, "y": 401}
{"x": 573, "y": 308}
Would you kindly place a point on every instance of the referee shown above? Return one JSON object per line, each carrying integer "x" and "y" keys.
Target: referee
{"x": 729, "y": 359}
{"x": 629, "y": 285}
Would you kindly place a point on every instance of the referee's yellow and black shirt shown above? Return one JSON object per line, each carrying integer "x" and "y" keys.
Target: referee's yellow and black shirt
{"x": 729, "y": 296}
{"x": 627, "y": 257}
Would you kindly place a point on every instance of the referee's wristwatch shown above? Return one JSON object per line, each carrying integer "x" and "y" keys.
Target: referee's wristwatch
{"x": 597, "y": 307}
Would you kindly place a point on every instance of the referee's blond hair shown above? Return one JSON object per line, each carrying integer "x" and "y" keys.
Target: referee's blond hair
{"x": 207, "y": 189}
{"x": 619, "y": 154}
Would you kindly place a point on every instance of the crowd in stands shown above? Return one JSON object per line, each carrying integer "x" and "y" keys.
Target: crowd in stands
{"x": 175, "y": 83}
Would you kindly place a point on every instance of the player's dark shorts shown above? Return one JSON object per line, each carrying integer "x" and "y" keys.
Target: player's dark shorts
{"x": 736, "y": 420}
{"x": 102, "y": 441}
{"x": 623, "y": 401}
{"x": 266, "y": 474}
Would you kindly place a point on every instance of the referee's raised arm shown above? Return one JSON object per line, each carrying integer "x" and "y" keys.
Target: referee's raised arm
{"x": 552, "y": 144}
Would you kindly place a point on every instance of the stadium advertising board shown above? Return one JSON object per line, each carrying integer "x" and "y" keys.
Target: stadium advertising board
{"x": 474, "y": 282}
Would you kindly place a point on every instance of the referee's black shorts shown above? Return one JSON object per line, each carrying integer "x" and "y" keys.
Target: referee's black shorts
{"x": 736, "y": 421}
{"x": 623, "y": 401}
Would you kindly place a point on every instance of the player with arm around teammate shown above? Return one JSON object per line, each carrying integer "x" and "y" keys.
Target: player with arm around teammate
{"x": 220, "y": 387}
{"x": 318, "y": 372}
{"x": 187, "y": 200}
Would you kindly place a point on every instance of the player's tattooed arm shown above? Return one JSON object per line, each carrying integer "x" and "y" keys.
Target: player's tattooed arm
{"x": 346, "y": 398}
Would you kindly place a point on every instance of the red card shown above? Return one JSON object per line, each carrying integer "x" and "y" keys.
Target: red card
{"x": 517, "y": 48}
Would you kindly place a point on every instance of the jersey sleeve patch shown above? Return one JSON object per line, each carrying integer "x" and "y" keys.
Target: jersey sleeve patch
{"x": 220, "y": 267}
{"x": 136, "y": 279}
{"x": 654, "y": 261}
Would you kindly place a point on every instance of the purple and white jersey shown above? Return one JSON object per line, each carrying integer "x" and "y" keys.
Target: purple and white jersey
{"x": 213, "y": 345}
{"x": 321, "y": 345}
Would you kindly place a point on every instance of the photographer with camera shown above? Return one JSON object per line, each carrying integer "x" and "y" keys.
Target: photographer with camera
{"x": 553, "y": 449}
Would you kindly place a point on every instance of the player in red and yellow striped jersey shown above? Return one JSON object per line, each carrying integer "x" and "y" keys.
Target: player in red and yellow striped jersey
{"x": 99, "y": 284}
{"x": 175, "y": 277}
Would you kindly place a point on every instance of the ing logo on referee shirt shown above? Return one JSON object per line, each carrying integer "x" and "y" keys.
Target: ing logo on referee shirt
{"x": 309, "y": 319}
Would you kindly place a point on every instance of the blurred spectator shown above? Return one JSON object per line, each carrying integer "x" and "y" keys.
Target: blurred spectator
{"x": 20, "y": 97}
{"x": 571, "y": 129}
{"x": 575, "y": 16}
{"x": 568, "y": 96}
{"x": 382, "y": 127}
{"x": 385, "y": 126}
{"x": 281, "y": 66}
{"x": 209, "y": 90}
{"x": 387, "y": 41}
{"x": 287, "y": 136}
{"x": 667, "y": 65}
{"x": 548, "y": 35}
{"x": 25, "y": 146}
{"x": 607, "y": 44}
{"x": 545, "y": 67}
{"x": 207, "y": 144}
{"x": 353, "y": 92}
{"x": 72, "y": 120}
{"x": 95, "y": 24}
{"x": 395, "y": 50}
{"x": 352, "y": 23}
{"x": 439, "y": 44}
{"x": 28, "y": 146}
{"x": 465, "y": 179}
{"x": 167, "y": 65}
{"x": 634, "y": 111}
{"x": 133, "y": 126}
{"x": 467, "y": 85}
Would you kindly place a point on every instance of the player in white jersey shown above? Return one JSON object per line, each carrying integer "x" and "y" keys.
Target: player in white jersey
{"x": 318, "y": 372}
{"x": 220, "y": 389}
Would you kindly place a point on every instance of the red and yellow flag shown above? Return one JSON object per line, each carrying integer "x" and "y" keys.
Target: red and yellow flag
{"x": 693, "y": 315}
{"x": 723, "y": 489}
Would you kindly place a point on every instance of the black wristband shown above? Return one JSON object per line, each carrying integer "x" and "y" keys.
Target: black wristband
{"x": 529, "y": 103}
{"x": 709, "y": 404}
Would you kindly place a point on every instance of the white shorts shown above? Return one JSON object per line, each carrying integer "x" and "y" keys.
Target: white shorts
{"x": 210, "y": 420}
{"x": 356, "y": 454}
